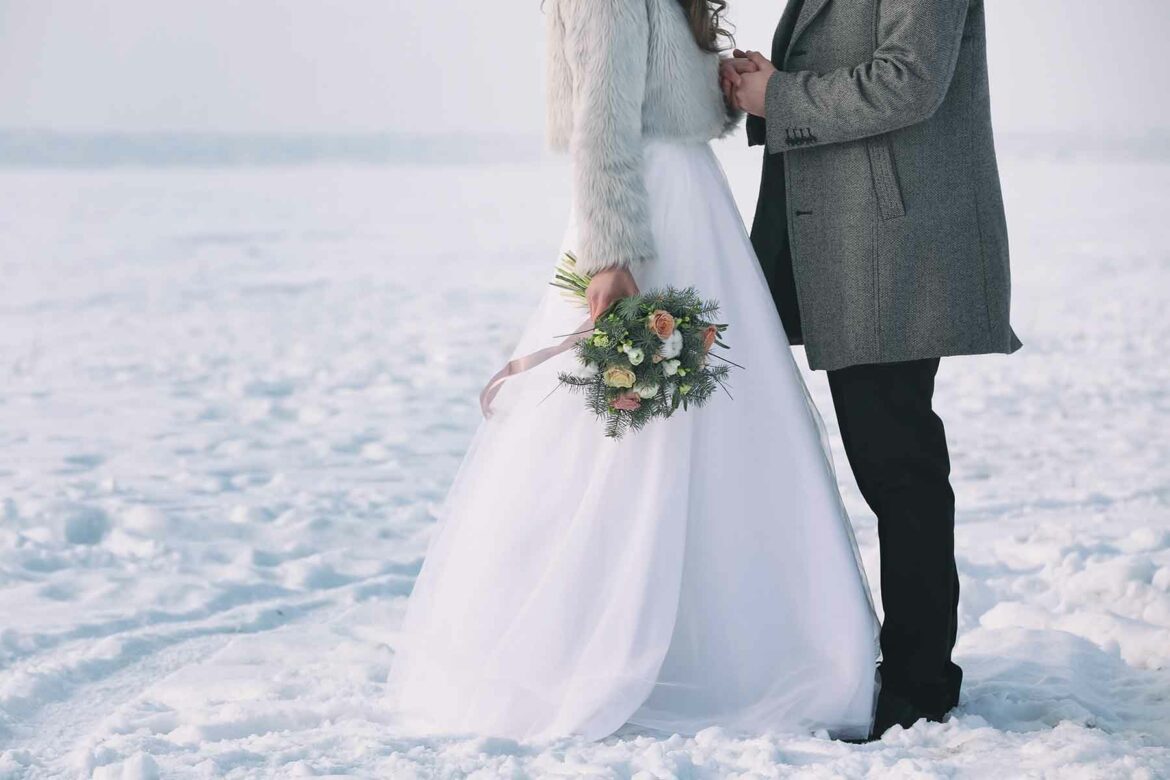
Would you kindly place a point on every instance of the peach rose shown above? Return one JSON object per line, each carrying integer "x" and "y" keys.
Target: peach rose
{"x": 709, "y": 335}
{"x": 627, "y": 402}
{"x": 662, "y": 323}
{"x": 617, "y": 376}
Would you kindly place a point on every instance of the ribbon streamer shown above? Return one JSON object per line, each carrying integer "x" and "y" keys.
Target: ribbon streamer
{"x": 529, "y": 362}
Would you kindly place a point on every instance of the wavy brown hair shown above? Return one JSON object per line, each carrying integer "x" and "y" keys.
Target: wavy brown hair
{"x": 706, "y": 18}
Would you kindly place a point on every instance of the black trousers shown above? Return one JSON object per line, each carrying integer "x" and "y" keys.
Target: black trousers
{"x": 897, "y": 448}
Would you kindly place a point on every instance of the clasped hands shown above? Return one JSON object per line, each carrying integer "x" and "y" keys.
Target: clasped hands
{"x": 744, "y": 78}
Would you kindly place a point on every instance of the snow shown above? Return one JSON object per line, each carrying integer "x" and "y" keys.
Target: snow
{"x": 233, "y": 398}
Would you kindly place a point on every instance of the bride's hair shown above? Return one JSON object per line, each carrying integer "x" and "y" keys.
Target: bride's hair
{"x": 706, "y": 18}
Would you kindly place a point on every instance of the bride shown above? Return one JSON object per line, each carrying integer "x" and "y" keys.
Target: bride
{"x": 701, "y": 572}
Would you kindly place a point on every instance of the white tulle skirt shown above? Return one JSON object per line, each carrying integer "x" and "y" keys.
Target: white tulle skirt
{"x": 699, "y": 572}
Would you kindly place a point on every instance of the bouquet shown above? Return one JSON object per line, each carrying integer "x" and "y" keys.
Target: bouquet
{"x": 647, "y": 355}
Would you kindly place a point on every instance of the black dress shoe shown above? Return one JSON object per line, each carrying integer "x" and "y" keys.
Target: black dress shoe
{"x": 893, "y": 710}
{"x": 860, "y": 740}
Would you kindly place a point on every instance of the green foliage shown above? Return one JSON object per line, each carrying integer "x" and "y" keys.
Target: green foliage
{"x": 624, "y": 344}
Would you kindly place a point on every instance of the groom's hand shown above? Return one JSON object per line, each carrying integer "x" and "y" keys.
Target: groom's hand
{"x": 752, "y": 92}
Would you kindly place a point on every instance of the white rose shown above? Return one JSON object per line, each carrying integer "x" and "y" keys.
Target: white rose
{"x": 670, "y": 367}
{"x": 587, "y": 371}
{"x": 672, "y": 347}
{"x": 646, "y": 391}
{"x": 635, "y": 356}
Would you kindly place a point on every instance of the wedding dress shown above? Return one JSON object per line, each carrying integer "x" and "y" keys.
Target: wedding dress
{"x": 700, "y": 572}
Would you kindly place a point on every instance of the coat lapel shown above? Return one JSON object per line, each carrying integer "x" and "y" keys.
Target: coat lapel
{"x": 783, "y": 36}
{"x": 807, "y": 14}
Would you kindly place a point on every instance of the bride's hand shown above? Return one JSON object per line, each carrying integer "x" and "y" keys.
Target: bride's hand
{"x": 730, "y": 72}
{"x": 609, "y": 286}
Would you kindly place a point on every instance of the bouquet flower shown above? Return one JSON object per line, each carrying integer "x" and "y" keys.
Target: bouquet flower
{"x": 647, "y": 355}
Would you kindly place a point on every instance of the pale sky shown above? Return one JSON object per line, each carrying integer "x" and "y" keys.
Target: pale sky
{"x": 472, "y": 65}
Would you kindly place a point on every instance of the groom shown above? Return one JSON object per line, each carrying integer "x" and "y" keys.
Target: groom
{"x": 881, "y": 231}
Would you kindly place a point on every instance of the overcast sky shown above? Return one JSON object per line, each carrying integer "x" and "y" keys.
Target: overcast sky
{"x": 475, "y": 65}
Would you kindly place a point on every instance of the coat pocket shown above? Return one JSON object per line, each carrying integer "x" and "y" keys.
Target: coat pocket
{"x": 885, "y": 178}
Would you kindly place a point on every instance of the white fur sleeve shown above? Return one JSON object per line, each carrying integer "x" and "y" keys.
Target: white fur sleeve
{"x": 609, "y": 47}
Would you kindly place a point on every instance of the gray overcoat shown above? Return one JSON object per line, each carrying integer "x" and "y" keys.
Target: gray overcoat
{"x": 894, "y": 213}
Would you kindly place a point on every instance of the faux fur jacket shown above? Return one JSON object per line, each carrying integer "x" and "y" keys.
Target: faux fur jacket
{"x": 622, "y": 72}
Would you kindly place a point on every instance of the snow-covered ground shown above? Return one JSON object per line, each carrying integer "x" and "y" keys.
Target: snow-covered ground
{"x": 232, "y": 399}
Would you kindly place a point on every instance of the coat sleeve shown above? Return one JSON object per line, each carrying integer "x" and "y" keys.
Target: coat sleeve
{"x": 609, "y": 42}
{"x": 903, "y": 84}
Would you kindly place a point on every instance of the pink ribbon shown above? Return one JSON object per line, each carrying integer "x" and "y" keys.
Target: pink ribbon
{"x": 527, "y": 363}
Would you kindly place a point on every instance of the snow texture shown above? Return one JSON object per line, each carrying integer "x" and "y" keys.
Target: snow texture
{"x": 233, "y": 399}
